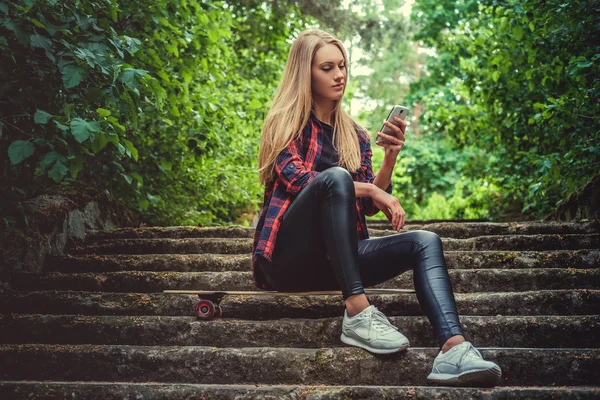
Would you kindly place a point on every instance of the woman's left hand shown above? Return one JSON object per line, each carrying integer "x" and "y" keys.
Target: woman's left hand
{"x": 392, "y": 144}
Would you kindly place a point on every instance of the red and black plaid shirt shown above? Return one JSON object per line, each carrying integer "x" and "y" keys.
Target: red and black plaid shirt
{"x": 294, "y": 170}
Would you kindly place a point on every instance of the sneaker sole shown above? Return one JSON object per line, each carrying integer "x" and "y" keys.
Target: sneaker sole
{"x": 486, "y": 378}
{"x": 357, "y": 343}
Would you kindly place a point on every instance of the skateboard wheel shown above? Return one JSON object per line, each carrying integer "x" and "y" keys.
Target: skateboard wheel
{"x": 218, "y": 312}
{"x": 205, "y": 309}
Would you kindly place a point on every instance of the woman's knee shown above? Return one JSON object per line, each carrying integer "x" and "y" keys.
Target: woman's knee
{"x": 426, "y": 236}
{"x": 430, "y": 252}
{"x": 337, "y": 178}
{"x": 427, "y": 239}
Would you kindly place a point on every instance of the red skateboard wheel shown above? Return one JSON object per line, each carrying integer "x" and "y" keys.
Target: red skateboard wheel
{"x": 205, "y": 309}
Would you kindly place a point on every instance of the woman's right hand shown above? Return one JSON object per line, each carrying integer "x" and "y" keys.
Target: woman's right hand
{"x": 390, "y": 206}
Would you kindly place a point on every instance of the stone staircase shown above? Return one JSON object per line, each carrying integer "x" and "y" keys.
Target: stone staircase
{"x": 96, "y": 325}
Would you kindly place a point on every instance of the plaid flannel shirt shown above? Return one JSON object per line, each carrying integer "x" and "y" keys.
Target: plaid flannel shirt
{"x": 294, "y": 170}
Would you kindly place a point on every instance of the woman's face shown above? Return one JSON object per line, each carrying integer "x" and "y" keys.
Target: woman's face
{"x": 328, "y": 73}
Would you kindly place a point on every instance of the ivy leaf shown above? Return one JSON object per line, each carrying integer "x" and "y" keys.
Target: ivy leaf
{"x": 58, "y": 171}
{"x": 19, "y": 150}
{"x": 40, "y": 41}
{"x": 72, "y": 75}
{"x": 4, "y": 8}
{"x": 41, "y": 117}
{"x": 82, "y": 129}
{"x": 129, "y": 76}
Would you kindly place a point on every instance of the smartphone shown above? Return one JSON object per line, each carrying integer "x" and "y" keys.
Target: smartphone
{"x": 399, "y": 111}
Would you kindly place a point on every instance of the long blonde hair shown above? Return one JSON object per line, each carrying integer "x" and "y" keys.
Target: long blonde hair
{"x": 292, "y": 104}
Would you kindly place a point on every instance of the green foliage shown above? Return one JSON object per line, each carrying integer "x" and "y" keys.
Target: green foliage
{"x": 62, "y": 64}
{"x": 518, "y": 80}
{"x": 159, "y": 103}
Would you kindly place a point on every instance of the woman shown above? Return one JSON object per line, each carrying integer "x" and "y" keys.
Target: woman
{"x": 315, "y": 163}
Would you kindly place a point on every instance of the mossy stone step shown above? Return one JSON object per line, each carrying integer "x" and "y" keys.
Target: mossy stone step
{"x": 237, "y": 246}
{"x": 269, "y": 365}
{"x": 456, "y": 230}
{"x": 496, "y": 331}
{"x": 543, "y": 302}
{"x": 21, "y": 390}
{"x": 463, "y": 281}
{"x": 582, "y": 258}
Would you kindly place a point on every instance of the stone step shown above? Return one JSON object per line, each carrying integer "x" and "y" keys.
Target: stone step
{"x": 543, "y": 302}
{"x": 237, "y": 246}
{"x": 495, "y": 331}
{"x": 468, "y": 230}
{"x": 269, "y": 365}
{"x": 22, "y": 390}
{"x": 444, "y": 229}
{"x": 463, "y": 281}
{"x": 583, "y": 258}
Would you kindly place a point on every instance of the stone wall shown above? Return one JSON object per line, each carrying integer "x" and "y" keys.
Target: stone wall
{"x": 583, "y": 205}
{"x": 62, "y": 214}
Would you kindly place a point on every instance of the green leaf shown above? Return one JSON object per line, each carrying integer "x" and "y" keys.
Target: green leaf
{"x": 60, "y": 126}
{"x": 102, "y": 112}
{"x": 137, "y": 177}
{"x": 255, "y": 104}
{"x": 213, "y": 35}
{"x": 164, "y": 165}
{"x": 37, "y": 23}
{"x": 131, "y": 149}
{"x": 75, "y": 165}
{"x": 130, "y": 76}
{"x": 19, "y": 150}
{"x": 82, "y": 129}
{"x": 518, "y": 32}
{"x": 41, "y": 117}
{"x": 72, "y": 75}
{"x": 58, "y": 171}
{"x": 40, "y": 41}
{"x": 4, "y": 8}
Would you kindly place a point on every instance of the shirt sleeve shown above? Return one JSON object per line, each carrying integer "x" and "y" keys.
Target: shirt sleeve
{"x": 290, "y": 168}
{"x": 365, "y": 173}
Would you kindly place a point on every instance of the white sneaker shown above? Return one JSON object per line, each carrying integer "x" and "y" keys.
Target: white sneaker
{"x": 372, "y": 331}
{"x": 463, "y": 365}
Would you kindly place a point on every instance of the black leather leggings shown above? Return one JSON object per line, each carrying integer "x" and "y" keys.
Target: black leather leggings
{"x": 317, "y": 248}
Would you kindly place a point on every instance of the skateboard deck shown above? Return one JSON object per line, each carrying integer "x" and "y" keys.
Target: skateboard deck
{"x": 209, "y": 304}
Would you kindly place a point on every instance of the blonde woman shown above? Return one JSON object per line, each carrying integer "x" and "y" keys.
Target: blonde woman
{"x": 315, "y": 163}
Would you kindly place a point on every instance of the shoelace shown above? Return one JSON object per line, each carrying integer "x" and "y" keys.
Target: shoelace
{"x": 381, "y": 323}
{"x": 470, "y": 352}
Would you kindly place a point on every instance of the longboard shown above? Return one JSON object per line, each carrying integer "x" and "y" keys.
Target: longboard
{"x": 210, "y": 300}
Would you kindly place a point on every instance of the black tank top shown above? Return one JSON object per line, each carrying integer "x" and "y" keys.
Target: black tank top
{"x": 329, "y": 156}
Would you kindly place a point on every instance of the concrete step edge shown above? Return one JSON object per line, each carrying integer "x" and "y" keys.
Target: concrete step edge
{"x": 455, "y": 259}
{"x": 463, "y": 280}
{"x": 500, "y": 331}
{"x": 539, "y": 302}
{"x": 240, "y": 246}
{"x": 332, "y": 366}
{"x": 151, "y": 390}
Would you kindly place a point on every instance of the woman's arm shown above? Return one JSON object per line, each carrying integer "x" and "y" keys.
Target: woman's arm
{"x": 290, "y": 168}
{"x": 392, "y": 147}
{"x": 383, "y": 179}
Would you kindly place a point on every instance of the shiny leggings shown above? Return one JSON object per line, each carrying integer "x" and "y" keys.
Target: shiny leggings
{"x": 317, "y": 248}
